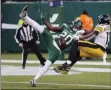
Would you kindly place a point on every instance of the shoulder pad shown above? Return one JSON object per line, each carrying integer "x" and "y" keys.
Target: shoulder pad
{"x": 99, "y": 28}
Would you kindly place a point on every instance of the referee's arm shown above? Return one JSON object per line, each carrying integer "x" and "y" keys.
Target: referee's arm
{"x": 17, "y": 36}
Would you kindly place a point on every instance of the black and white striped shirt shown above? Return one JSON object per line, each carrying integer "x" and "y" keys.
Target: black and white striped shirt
{"x": 25, "y": 33}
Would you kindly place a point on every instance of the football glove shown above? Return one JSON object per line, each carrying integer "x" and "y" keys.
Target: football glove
{"x": 76, "y": 37}
{"x": 81, "y": 32}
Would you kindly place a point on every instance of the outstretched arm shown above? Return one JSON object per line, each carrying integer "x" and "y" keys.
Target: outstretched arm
{"x": 50, "y": 27}
{"x": 80, "y": 35}
{"x": 93, "y": 33}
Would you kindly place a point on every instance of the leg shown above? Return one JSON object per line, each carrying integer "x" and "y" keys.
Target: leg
{"x": 72, "y": 59}
{"x": 73, "y": 53}
{"x": 53, "y": 54}
{"x": 93, "y": 50}
{"x": 34, "y": 24}
{"x": 31, "y": 22}
{"x": 24, "y": 55}
{"x": 35, "y": 49}
{"x": 41, "y": 72}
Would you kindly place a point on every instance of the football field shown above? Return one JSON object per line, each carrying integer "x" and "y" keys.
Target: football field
{"x": 86, "y": 74}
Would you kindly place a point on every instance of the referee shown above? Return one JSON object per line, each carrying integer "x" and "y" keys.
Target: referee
{"x": 27, "y": 38}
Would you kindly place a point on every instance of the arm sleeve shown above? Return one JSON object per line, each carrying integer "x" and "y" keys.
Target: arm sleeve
{"x": 88, "y": 35}
{"x": 17, "y": 36}
{"x": 98, "y": 29}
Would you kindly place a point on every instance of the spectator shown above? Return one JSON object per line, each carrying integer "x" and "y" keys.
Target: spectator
{"x": 86, "y": 21}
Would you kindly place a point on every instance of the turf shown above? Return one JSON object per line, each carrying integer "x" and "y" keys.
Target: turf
{"x": 31, "y": 56}
{"x": 32, "y": 64}
{"x": 83, "y": 79}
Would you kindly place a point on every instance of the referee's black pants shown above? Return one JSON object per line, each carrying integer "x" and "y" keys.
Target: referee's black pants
{"x": 34, "y": 48}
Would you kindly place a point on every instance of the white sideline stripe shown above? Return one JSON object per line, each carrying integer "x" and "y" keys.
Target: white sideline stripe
{"x": 89, "y": 85}
{"x": 14, "y": 26}
{"x": 16, "y": 70}
{"x": 58, "y": 62}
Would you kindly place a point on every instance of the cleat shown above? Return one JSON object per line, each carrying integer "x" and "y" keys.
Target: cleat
{"x": 64, "y": 69}
{"x": 23, "y": 12}
{"x": 23, "y": 67}
{"x": 33, "y": 83}
{"x": 65, "y": 72}
{"x": 58, "y": 69}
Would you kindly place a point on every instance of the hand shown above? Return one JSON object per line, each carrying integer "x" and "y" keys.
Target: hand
{"x": 81, "y": 32}
{"x": 43, "y": 16}
{"x": 37, "y": 42}
{"x": 76, "y": 37}
{"x": 21, "y": 45}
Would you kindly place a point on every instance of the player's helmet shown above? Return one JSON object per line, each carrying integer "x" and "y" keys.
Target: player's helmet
{"x": 77, "y": 24}
{"x": 104, "y": 19}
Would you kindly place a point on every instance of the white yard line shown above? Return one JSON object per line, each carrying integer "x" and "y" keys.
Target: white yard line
{"x": 61, "y": 84}
{"x": 32, "y": 70}
{"x": 29, "y": 70}
{"x": 58, "y": 62}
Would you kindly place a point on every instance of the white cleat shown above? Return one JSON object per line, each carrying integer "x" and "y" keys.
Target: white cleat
{"x": 23, "y": 12}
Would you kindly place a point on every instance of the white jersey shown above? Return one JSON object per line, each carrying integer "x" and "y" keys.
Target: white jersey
{"x": 104, "y": 35}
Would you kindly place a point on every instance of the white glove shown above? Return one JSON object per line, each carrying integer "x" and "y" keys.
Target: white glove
{"x": 81, "y": 32}
{"x": 76, "y": 37}
{"x": 21, "y": 45}
{"x": 37, "y": 42}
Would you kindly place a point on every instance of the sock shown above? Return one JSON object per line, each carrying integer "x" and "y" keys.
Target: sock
{"x": 43, "y": 70}
{"x": 34, "y": 24}
{"x": 68, "y": 62}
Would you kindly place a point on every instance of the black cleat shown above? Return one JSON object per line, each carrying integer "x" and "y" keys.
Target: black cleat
{"x": 58, "y": 69}
{"x": 64, "y": 69}
{"x": 23, "y": 12}
{"x": 23, "y": 67}
{"x": 33, "y": 83}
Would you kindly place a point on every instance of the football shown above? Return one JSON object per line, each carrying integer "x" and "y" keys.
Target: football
{"x": 62, "y": 42}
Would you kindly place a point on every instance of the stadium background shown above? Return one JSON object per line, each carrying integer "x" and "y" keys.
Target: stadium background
{"x": 69, "y": 11}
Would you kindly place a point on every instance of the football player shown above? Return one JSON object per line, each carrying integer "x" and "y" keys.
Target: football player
{"x": 68, "y": 33}
{"x": 87, "y": 48}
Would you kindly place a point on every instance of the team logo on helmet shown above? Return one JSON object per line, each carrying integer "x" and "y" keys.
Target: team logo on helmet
{"x": 104, "y": 19}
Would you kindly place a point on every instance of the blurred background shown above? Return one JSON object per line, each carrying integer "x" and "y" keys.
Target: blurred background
{"x": 64, "y": 10}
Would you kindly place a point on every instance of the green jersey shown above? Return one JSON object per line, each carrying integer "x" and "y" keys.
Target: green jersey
{"x": 63, "y": 41}
{"x": 65, "y": 37}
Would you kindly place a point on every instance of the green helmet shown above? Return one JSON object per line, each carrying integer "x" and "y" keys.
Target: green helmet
{"x": 76, "y": 24}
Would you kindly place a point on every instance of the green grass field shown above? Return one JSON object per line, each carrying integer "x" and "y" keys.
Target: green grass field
{"x": 79, "y": 79}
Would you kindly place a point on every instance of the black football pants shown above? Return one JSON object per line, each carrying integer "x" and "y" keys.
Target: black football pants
{"x": 34, "y": 48}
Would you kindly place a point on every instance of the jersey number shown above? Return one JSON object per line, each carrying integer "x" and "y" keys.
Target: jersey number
{"x": 68, "y": 38}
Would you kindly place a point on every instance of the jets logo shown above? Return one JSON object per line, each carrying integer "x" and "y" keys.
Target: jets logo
{"x": 54, "y": 17}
